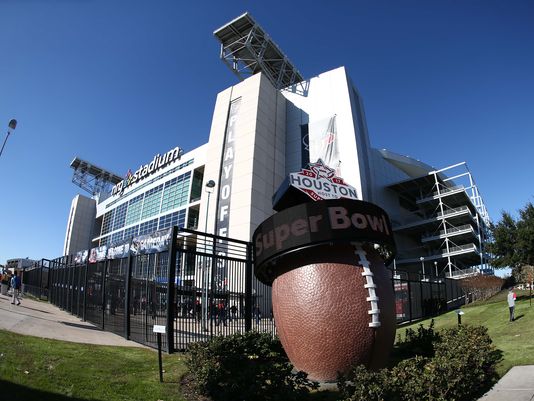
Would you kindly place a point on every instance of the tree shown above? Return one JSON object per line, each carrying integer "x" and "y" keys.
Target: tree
{"x": 513, "y": 245}
{"x": 504, "y": 239}
{"x": 525, "y": 235}
{"x": 512, "y": 242}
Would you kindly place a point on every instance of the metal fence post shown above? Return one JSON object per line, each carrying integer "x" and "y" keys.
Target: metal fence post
{"x": 84, "y": 307}
{"x": 127, "y": 300}
{"x": 248, "y": 289}
{"x": 170, "y": 290}
{"x": 40, "y": 279}
{"x": 212, "y": 308}
{"x": 410, "y": 299}
{"x": 103, "y": 298}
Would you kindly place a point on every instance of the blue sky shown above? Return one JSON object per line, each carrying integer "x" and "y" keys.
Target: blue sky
{"x": 115, "y": 82}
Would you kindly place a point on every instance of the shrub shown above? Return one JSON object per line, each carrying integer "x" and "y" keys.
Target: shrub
{"x": 420, "y": 342}
{"x": 459, "y": 365}
{"x": 465, "y": 360}
{"x": 480, "y": 287}
{"x": 251, "y": 366}
{"x": 365, "y": 385}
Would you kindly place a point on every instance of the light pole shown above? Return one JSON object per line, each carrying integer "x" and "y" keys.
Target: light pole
{"x": 422, "y": 259}
{"x": 209, "y": 189}
{"x": 10, "y": 128}
{"x": 436, "y": 267}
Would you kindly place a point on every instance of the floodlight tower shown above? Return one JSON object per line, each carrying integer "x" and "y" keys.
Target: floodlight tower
{"x": 247, "y": 49}
{"x": 93, "y": 179}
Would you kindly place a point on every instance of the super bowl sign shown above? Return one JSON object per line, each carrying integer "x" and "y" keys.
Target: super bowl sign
{"x": 319, "y": 182}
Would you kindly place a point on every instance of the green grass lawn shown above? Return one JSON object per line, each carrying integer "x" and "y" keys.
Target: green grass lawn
{"x": 32, "y": 368}
{"x": 514, "y": 339}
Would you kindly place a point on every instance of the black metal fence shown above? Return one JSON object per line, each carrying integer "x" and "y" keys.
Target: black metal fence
{"x": 200, "y": 286}
{"x": 419, "y": 298}
{"x": 197, "y": 286}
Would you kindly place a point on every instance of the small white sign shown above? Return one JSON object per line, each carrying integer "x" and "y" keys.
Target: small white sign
{"x": 159, "y": 329}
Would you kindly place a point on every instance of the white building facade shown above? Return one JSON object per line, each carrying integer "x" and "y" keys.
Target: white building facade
{"x": 259, "y": 134}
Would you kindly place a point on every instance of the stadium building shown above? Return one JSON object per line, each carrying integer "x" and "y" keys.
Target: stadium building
{"x": 274, "y": 122}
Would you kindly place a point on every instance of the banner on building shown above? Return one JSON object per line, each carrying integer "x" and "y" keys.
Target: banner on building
{"x": 81, "y": 257}
{"x": 225, "y": 186}
{"x": 158, "y": 241}
{"x": 320, "y": 141}
{"x": 119, "y": 250}
{"x": 98, "y": 254}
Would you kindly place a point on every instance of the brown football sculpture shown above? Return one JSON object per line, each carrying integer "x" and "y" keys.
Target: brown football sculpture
{"x": 335, "y": 310}
{"x": 333, "y": 300}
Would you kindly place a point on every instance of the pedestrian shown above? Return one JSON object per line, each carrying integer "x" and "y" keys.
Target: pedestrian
{"x": 221, "y": 314}
{"x": 15, "y": 284}
{"x": 511, "y": 303}
{"x": 233, "y": 310}
{"x": 198, "y": 309}
{"x": 256, "y": 312}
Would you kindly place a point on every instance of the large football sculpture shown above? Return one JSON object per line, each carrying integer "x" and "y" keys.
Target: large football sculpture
{"x": 332, "y": 295}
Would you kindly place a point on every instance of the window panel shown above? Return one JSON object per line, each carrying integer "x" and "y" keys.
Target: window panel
{"x": 152, "y": 202}
{"x": 172, "y": 219}
{"x": 176, "y": 192}
{"x": 107, "y": 222}
{"x": 131, "y": 232}
{"x": 120, "y": 216}
{"x": 134, "y": 210}
{"x": 148, "y": 227}
{"x": 116, "y": 237}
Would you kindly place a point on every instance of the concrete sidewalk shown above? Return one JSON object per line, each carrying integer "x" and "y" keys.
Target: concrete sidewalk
{"x": 42, "y": 319}
{"x": 516, "y": 385}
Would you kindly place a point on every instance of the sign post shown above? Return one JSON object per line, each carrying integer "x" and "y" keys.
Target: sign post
{"x": 159, "y": 330}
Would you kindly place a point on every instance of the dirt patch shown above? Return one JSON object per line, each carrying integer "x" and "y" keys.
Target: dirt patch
{"x": 189, "y": 392}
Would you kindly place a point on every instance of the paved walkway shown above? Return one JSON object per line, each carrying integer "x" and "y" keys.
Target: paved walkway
{"x": 42, "y": 319}
{"x": 516, "y": 385}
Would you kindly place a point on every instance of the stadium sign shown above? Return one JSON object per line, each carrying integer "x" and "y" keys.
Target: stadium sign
{"x": 319, "y": 182}
{"x": 157, "y": 163}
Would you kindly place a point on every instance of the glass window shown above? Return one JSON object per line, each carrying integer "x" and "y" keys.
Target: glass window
{"x": 107, "y": 222}
{"x": 172, "y": 219}
{"x": 116, "y": 237}
{"x": 134, "y": 210}
{"x": 148, "y": 227}
{"x": 196, "y": 185}
{"x": 120, "y": 216}
{"x": 152, "y": 202}
{"x": 176, "y": 192}
{"x": 131, "y": 232}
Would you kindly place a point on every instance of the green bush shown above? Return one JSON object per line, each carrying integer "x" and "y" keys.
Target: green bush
{"x": 458, "y": 366}
{"x": 465, "y": 360}
{"x": 420, "y": 342}
{"x": 365, "y": 385}
{"x": 251, "y": 366}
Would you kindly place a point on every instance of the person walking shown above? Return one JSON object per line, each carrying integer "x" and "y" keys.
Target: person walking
{"x": 511, "y": 303}
{"x": 15, "y": 284}
{"x": 221, "y": 314}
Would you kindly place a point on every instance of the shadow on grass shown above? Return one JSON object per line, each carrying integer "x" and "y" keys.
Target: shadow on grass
{"x": 18, "y": 392}
{"x": 519, "y": 317}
